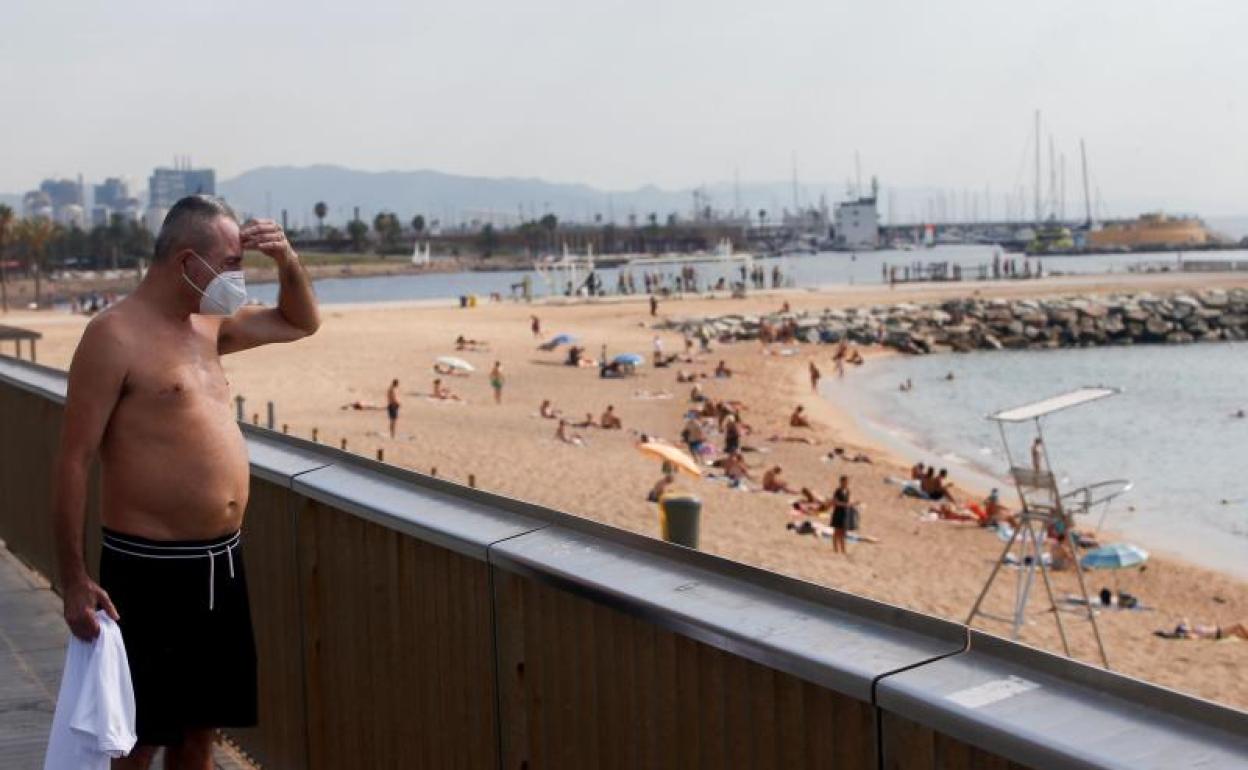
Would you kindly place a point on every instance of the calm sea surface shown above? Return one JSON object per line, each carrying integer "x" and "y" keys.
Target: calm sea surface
{"x": 805, "y": 271}
{"x": 1171, "y": 431}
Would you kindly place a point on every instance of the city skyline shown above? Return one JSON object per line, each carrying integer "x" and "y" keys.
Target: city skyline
{"x": 621, "y": 96}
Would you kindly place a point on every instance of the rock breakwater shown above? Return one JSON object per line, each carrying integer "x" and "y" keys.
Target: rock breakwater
{"x": 975, "y": 323}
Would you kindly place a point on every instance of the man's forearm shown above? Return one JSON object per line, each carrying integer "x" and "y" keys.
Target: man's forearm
{"x": 295, "y": 299}
{"x": 68, "y": 516}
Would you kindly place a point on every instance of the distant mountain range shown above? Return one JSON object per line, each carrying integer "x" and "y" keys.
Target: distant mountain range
{"x": 451, "y": 197}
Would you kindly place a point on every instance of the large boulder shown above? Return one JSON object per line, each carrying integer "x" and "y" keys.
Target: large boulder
{"x": 1157, "y": 327}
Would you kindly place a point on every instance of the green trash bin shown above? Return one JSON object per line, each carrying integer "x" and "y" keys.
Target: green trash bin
{"x": 678, "y": 519}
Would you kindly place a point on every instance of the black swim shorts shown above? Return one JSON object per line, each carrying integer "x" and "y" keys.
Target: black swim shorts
{"x": 393, "y": 411}
{"x": 186, "y": 624}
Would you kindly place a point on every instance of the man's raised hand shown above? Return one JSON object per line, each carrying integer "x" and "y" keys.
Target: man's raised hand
{"x": 267, "y": 237}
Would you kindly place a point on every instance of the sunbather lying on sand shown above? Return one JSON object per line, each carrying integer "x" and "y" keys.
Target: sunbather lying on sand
{"x": 562, "y": 434}
{"x": 362, "y": 405}
{"x": 775, "y": 438}
{"x": 466, "y": 344}
{"x": 810, "y": 504}
{"x": 856, "y": 457}
{"x": 949, "y": 512}
{"x": 1186, "y": 630}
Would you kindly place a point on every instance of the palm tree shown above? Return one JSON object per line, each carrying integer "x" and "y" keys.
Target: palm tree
{"x": 320, "y": 209}
{"x": 34, "y": 234}
{"x": 6, "y": 223}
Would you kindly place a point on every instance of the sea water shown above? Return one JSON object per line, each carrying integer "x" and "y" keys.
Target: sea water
{"x": 1172, "y": 432}
{"x": 805, "y": 271}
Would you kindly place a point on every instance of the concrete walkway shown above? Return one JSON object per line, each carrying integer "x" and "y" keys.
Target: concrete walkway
{"x": 32, "y": 651}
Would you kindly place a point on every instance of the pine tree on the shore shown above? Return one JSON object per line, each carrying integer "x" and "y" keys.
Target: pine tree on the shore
{"x": 320, "y": 209}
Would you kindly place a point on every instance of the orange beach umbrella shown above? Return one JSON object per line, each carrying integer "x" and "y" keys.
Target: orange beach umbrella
{"x": 672, "y": 455}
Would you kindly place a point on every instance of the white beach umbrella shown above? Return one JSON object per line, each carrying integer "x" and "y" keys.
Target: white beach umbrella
{"x": 452, "y": 362}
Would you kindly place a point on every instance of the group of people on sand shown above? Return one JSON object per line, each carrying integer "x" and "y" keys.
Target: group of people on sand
{"x": 608, "y": 420}
{"x": 928, "y": 483}
{"x": 439, "y": 391}
{"x": 722, "y": 417}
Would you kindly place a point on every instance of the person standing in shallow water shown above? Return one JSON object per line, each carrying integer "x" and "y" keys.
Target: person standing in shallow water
{"x": 148, "y": 393}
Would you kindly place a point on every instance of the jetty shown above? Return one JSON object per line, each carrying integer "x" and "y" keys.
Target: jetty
{"x": 966, "y": 324}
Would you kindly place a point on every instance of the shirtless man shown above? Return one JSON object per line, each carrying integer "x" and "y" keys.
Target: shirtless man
{"x": 148, "y": 393}
{"x": 798, "y": 418}
{"x": 774, "y": 482}
{"x": 610, "y": 420}
{"x": 392, "y": 405}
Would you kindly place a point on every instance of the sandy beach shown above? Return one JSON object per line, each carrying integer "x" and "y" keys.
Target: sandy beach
{"x": 934, "y": 567}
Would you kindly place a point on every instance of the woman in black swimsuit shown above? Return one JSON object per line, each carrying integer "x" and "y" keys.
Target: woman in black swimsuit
{"x": 841, "y": 503}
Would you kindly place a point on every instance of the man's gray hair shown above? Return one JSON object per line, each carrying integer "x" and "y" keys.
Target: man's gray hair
{"x": 189, "y": 225}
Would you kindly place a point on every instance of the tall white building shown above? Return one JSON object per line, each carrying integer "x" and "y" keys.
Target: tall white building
{"x": 857, "y": 224}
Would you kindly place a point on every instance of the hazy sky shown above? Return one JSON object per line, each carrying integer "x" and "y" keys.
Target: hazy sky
{"x": 618, "y": 94}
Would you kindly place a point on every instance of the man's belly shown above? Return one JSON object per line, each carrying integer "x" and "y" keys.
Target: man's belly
{"x": 177, "y": 479}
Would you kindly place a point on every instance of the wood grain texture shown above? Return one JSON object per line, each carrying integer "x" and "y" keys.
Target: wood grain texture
{"x": 601, "y": 688}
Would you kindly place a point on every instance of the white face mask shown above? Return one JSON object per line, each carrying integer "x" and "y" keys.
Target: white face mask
{"x": 224, "y": 295}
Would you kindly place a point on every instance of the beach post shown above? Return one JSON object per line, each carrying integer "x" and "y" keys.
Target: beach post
{"x": 255, "y": 418}
{"x": 239, "y": 409}
{"x": 285, "y": 428}
{"x": 344, "y": 444}
{"x": 381, "y": 455}
{"x": 272, "y": 419}
{"x": 315, "y": 433}
{"x": 472, "y": 480}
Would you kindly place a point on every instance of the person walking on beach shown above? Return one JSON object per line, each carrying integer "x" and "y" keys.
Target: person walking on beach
{"x": 535, "y": 324}
{"x": 392, "y": 405}
{"x": 815, "y": 374}
{"x": 842, "y": 502}
{"x": 147, "y": 391}
{"x": 496, "y": 382}
{"x": 654, "y": 305}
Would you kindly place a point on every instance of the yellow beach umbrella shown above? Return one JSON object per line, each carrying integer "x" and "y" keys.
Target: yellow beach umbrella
{"x": 672, "y": 455}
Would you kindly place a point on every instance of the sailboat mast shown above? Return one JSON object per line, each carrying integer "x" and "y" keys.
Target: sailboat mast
{"x": 1087, "y": 199}
{"x": 1037, "y": 185}
{"x": 1052, "y": 178}
{"x": 795, "y": 206}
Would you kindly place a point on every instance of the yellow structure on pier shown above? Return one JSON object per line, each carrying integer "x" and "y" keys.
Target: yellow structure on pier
{"x": 1151, "y": 231}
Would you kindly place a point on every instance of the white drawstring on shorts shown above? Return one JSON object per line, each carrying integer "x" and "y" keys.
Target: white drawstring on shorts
{"x": 157, "y": 551}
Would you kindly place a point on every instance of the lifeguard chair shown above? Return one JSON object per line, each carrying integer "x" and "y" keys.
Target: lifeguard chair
{"x": 1045, "y": 511}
